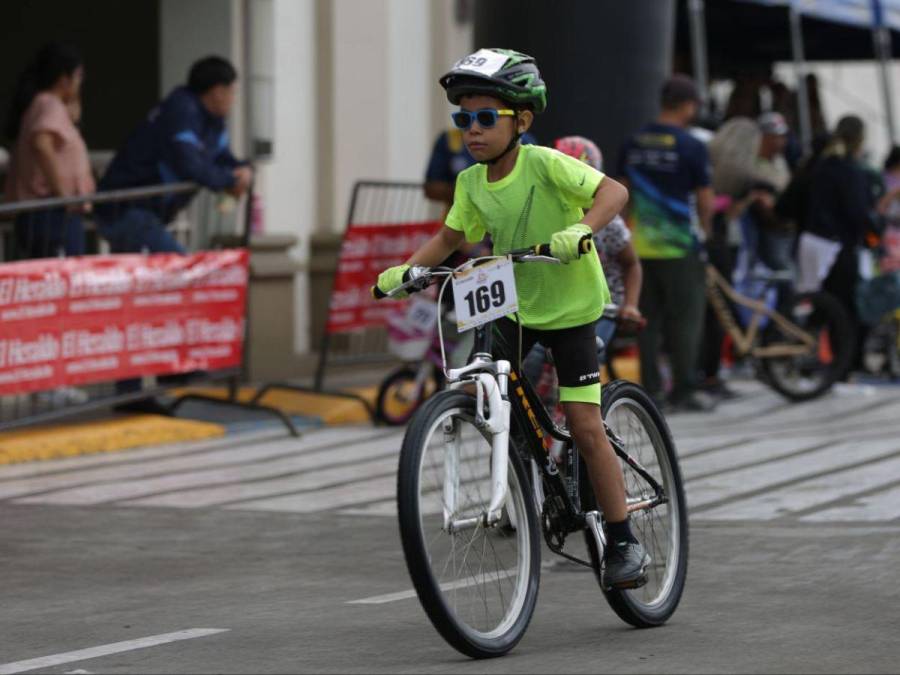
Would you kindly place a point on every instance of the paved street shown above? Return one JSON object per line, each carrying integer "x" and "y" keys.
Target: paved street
{"x": 795, "y": 515}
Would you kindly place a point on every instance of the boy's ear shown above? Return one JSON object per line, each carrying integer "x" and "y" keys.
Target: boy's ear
{"x": 524, "y": 120}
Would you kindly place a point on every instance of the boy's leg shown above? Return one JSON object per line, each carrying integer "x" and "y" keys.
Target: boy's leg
{"x": 579, "y": 387}
{"x": 586, "y": 426}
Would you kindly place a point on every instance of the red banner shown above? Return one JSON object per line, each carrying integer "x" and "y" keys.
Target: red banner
{"x": 366, "y": 251}
{"x": 98, "y": 318}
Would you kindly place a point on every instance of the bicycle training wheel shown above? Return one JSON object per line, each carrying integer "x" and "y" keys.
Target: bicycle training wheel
{"x": 478, "y": 585}
{"x": 803, "y": 377}
{"x": 399, "y": 397}
{"x": 663, "y": 530}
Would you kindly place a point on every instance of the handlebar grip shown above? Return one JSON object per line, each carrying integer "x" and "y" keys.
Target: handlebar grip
{"x": 586, "y": 244}
{"x": 378, "y": 294}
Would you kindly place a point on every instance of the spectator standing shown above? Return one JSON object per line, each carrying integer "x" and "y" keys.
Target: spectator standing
{"x": 667, "y": 171}
{"x": 183, "y": 139}
{"x": 838, "y": 217}
{"x": 774, "y": 234}
{"x": 733, "y": 153}
{"x": 49, "y": 156}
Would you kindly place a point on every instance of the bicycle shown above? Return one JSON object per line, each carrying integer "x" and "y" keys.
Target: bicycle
{"x": 799, "y": 357}
{"x": 477, "y": 488}
{"x": 407, "y": 387}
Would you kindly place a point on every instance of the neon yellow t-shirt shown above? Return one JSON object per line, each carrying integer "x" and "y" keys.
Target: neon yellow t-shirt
{"x": 546, "y": 192}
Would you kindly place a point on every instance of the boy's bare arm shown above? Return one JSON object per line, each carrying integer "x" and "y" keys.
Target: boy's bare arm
{"x": 609, "y": 199}
{"x": 436, "y": 249}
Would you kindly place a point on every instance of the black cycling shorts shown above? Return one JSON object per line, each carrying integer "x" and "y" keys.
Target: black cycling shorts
{"x": 574, "y": 354}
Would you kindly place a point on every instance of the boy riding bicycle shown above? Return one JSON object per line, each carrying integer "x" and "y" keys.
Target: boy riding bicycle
{"x": 525, "y": 195}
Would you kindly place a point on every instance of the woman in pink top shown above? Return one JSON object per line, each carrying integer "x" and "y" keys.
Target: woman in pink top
{"x": 49, "y": 156}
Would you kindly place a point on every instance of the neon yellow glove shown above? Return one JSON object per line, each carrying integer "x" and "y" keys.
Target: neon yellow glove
{"x": 391, "y": 278}
{"x": 565, "y": 244}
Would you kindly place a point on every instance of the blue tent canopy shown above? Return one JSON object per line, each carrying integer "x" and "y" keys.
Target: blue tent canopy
{"x": 860, "y": 13}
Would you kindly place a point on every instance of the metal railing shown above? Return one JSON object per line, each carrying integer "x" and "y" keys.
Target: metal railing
{"x": 19, "y": 410}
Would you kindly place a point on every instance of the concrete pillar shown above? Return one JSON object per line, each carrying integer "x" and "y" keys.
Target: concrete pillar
{"x": 604, "y": 62}
{"x": 382, "y": 93}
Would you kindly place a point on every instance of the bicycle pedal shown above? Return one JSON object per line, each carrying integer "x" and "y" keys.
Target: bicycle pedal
{"x": 629, "y": 585}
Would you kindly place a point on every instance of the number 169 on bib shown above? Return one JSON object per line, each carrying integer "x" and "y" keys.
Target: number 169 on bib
{"x": 484, "y": 293}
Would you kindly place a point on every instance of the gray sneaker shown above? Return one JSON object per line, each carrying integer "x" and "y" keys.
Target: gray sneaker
{"x": 625, "y": 566}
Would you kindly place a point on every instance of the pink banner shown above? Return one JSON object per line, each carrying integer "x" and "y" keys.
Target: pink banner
{"x": 98, "y": 318}
{"x": 366, "y": 251}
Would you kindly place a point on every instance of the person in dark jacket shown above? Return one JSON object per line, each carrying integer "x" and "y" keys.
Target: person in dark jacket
{"x": 183, "y": 139}
{"x": 840, "y": 213}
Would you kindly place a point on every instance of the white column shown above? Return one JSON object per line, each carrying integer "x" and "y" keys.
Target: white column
{"x": 288, "y": 180}
{"x": 409, "y": 88}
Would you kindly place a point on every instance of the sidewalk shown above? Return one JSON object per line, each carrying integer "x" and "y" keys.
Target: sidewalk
{"x": 108, "y": 431}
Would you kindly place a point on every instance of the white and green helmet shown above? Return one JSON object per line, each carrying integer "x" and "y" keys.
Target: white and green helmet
{"x": 504, "y": 73}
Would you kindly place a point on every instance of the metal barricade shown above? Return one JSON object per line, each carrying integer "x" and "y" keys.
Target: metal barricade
{"x": 387, "y": 222}
{"x": 111, "y": 222}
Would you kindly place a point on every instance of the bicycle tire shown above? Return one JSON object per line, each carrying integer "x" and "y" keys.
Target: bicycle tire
{"x": 405, "y": 375}
{"x": 433, "y": 590}
{"x": 824, "y": 315}
{"x": 653, "y": 604}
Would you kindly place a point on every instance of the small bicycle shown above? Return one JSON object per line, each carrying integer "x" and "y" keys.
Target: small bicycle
{"x": 407, "y": 387}
{"x": 801, "y": 350}
{"x": 477, "y": 491}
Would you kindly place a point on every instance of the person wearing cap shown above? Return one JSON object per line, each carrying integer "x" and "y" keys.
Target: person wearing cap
{"x": 667, "y": 172}
{"x": 771, "y": 164}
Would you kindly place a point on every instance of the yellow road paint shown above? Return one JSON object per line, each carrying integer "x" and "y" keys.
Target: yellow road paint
{"x": 66, "y": 440}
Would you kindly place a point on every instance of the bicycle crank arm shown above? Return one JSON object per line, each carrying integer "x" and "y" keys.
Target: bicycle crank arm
{"x": 592, "y": 519}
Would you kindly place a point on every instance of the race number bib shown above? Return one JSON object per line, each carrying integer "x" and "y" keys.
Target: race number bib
{"x": 483, "y": 62}
{"x": 422, "y": 314}
{"x": 484, "y": 293}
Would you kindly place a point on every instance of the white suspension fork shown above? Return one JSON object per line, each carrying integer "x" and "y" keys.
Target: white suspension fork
{"x": 492, "y": 389}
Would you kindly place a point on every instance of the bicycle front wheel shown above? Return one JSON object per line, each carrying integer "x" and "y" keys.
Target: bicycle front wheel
{"x": 663, "y": 529}
{"x": 477, "y": 584}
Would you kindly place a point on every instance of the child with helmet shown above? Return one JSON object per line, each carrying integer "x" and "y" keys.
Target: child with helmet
{"x": 522, "y": 195}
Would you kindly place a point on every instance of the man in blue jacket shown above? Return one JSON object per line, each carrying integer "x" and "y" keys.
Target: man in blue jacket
{"x": 183, "y": 139}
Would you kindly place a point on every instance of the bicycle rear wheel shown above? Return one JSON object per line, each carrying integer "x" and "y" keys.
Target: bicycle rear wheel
{"x": 478, "y": 585}
{"x": 663, "y": 530}
{"x": 807, "y": 376}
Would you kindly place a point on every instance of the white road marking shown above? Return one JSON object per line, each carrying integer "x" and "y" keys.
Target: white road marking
{"x": 104, "y": 650}
{"x": 305, "y": 459}
{"x": 352, "y": 470}
{"x": 448, "y": 586}
{"x": 810, "y": 493}
{"x": 880, "y": 506}
{"x": 842, "y": 456}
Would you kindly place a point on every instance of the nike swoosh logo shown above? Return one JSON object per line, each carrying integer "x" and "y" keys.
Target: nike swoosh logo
{"x": 582, "y": 180}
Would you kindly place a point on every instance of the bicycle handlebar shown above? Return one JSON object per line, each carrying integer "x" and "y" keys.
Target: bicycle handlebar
{"x": 418, "y": 278}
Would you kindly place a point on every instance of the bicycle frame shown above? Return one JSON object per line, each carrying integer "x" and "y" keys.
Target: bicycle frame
{"x": 492, "y": 379}
{"x": 718, "y": 289}
{"x": 562, "y": 512}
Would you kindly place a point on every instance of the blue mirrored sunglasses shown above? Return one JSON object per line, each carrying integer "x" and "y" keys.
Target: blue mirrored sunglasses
{"x": 486, "y": 117}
